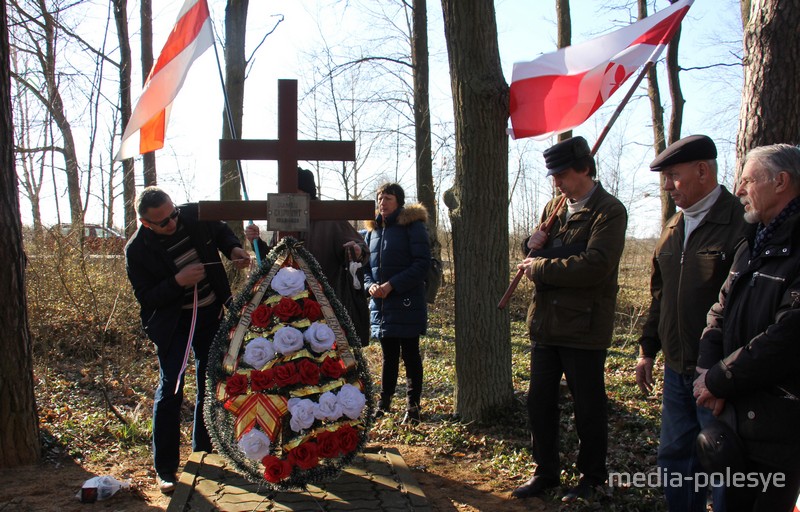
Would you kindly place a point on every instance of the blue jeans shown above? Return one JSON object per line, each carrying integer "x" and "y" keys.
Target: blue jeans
{"x": 167, "y": 403}
{"x": 681, "y": 421}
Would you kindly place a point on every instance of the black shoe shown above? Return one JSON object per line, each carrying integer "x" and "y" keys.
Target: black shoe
{"x": 384, "y": 407}
{"x": 536, "y": 486}
{"x": 585, "y": 491}
{"x": 412, "y": 416}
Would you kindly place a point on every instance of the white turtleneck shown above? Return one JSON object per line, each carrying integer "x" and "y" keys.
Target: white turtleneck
{"x": 694, "y": 215}
{"x": 574, "y": 206}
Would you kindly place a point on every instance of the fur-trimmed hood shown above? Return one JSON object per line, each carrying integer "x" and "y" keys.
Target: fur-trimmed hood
{"x": 405, "y": 215}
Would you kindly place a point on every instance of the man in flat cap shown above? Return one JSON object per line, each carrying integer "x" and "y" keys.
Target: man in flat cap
{"x": 571, "y": 317}
{"x": 750, "y": 345}
{"x": 690, "y": 262}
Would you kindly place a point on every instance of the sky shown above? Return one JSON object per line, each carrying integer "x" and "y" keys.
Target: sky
{"x": 188, "y": 166}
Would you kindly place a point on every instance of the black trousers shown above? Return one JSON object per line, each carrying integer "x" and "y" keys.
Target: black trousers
{"x": 392, "y": 348}
{"x": 584, "y": 370}
{"x": 779, "y": 495}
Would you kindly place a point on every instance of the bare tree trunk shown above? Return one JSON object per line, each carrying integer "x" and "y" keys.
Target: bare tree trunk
{"x": 564, "y": 39}
{"x": 55, "y": 105}
{"x": 422, "y": 120}
{"x": 19, "y": 424}
{"x": 659, "y": 134}
{"x": 125, "y": 64}
{"x": 146, "y": 17}
{"x": 770, "y": 111}
{"x": 235, "y": 23}
{"x": 478, "y": 206}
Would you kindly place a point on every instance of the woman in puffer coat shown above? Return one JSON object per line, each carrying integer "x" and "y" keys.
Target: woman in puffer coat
{"x": 400, "y": 255}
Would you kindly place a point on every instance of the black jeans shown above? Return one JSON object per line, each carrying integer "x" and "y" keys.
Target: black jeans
{"x": 167, "y": 403}
{"x": 392, "y": 349}
{"x": 585, "y": 378}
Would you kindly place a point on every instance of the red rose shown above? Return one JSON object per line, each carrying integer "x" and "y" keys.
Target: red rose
{"x": 262, "y": 316}
{"x": 305, "y": 455}
{"x": 311, "y": 310}
{"x": 286, "y": 375}
{"x": 328, "y": 444}
{"x": 309, "y": 372}
{"x": 275, "y": 469}
{"x": 286, "y": 309}
{"x": 332, "y": 368}
{"x": 236, "y": 385}
{"x": 348, "y": 438}
{"x": 261, "y": 381}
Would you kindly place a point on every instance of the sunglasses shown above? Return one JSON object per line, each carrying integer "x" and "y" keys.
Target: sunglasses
{"x": 172, "y": 216}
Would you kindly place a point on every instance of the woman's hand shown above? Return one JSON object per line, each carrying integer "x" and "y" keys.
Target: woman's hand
{"x": 251, "y": 232}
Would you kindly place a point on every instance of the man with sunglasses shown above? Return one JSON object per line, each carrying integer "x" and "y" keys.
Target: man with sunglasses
{"x": 174, "y": 266}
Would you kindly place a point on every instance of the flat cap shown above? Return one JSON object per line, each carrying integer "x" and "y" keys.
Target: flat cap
{"x": 563, "y": 155}
{"x": 688, "y": 149}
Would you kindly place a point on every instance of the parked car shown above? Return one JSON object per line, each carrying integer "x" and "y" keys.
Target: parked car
{"x": 96, "y": 239}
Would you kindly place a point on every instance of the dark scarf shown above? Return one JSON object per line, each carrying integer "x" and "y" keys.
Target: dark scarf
{"x": 765, "y": 233}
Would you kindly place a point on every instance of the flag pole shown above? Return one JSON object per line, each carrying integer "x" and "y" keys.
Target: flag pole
{"x": 232, "y": 128}
{"x": 548, "y": 224}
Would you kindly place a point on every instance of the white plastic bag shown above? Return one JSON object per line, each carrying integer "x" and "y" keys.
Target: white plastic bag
{"x": 100, "y": 488}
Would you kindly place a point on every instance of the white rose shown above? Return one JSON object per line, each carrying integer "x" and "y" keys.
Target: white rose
{"x": 289, "y": 281}
{"x": 288, "y": 340}
{"x": 352, "y": 401}
{"x": 329, "y": 407}
{"x": 303, "y": 413}
{"x": 255, "y": 444}
{"x": 320, "y": 337}
{"x": 258, "y": 352}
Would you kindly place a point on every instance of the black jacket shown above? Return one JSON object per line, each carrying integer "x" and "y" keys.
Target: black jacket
{"x": 152, "y": 271}
{"x": 752, "y": 346}
{"x": 685, "y": 281}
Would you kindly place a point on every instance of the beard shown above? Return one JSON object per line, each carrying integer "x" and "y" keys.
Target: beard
{"x": 752, "y": 216}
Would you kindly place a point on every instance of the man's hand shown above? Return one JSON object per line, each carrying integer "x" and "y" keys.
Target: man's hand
{"x": 704, "y": 397}
{"x": 356, "y": 248}
{"x": 380, "y": 291}
{"x": 240, "y": 258}
{"x": 644, "y": 374}
{"x": 525, "y": 266}
{"x": 537, "y": 240}
{"x": 190, "y": 275}
{"x": 251, "y": 232}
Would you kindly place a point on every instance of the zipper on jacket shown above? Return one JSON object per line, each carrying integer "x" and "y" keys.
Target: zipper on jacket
{"x": 766, "y": 276}
{"x": 380, "y": 271}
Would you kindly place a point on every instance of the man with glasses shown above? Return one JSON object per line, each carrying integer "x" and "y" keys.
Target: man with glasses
{"x": 174, "y": 266}
{"x": 690, "y": 263}
{"x": 751, "y": 346}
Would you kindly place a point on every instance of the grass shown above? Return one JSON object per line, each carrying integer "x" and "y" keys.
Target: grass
{"x": 81, "y": 357}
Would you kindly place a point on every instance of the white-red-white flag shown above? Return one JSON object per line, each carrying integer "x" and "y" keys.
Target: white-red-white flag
{"x": 190, "y": 37}
{"x": 558, "y": 91}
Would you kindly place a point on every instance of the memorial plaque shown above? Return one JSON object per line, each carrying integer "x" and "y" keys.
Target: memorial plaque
{"x": 287, "y": 212}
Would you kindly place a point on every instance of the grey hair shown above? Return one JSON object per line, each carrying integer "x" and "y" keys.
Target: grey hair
{"x": 150, "y": 197}
{"x": 777, "y": 158}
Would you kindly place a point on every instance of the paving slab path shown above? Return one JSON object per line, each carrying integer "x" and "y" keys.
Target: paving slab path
{"x": 378, "y": 480}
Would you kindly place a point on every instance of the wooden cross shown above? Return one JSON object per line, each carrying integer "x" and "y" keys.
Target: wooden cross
{"x": 287, "y": 150}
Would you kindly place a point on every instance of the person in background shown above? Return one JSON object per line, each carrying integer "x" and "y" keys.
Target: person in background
{"x": 332, "y": 243}
{"x": 174, "y": 266}
{"x": 571, "y": 317}
{"x": 399, "y": 258}
{"x": 690, "y": 262}
{"x": 750, "y": 352}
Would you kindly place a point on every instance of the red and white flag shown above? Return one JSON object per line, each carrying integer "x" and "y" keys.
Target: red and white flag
{"x": 190, "y": 37}
{"x": 558, "y": 91}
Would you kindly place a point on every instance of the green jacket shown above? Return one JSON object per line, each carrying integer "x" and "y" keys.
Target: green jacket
{"x": 685, "y": 283}
{"x": 575, "y": 297}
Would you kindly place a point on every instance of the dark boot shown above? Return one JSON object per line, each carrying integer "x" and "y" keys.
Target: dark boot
{"x": 384, "y": 407}
{"x": 412, "y": 416}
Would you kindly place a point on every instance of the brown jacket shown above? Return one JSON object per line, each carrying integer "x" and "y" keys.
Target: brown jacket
{"x": 685, "y": 282}
{"x": 575, "y": 297}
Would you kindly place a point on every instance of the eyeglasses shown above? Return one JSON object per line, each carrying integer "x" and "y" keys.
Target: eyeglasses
{"x": 172, "y": 216}
{"x": 749, "y": 180}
